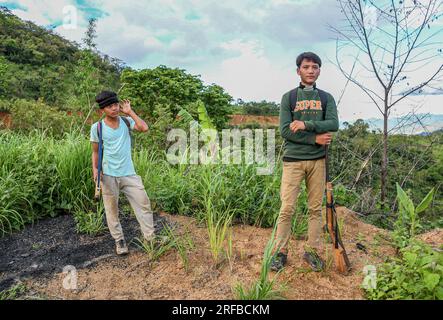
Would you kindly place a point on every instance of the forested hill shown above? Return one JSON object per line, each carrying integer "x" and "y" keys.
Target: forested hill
{"x": 37, "y": 63}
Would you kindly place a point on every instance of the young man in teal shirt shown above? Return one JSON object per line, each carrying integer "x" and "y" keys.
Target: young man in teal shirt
{"x": 118, "y": 169}
{"x": 305, "y": 125}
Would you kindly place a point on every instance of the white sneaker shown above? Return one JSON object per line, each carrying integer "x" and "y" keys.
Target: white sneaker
{"x": 121, "y": 248}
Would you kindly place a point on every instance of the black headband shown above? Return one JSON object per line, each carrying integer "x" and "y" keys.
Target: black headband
{"x": 108, "y": 101}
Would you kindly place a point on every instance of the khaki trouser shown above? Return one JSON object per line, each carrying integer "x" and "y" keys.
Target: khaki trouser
{"x": 293, "y": 174}
{"x": 132, "y": 187}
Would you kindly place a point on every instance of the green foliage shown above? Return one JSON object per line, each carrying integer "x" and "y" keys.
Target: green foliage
{"x": 415, "y": 161}
{"x": 203, "y": 117}
{"x": 86, "y": 82}
{"x": 11, "y": 195}
{"x": 28, "y": 116}
{"x": 27, "y": 179}
{"x": 344, "y": 196}
{"x": 217, "y": 103}
{"x": 416, "y": 275}
{"x": 29, "y": 53}
{"x": 182, "y": 243}
{"x": 184, "y": 189}
{"x": 158, "y": 130}
{"x": 217, "y": 224}
{"x": 263, "y": 108}
{"x": 13, "y": 293}
{"x": 358, "y": 128}
{"x": 90, "y": 223}
{"x": 155, "y": 248}
{"x": 40, "y": 176}
{"x": 408, "y": 222}
{"x": 175, "y": 89}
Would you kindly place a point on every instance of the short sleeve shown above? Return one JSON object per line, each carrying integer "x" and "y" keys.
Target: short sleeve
{"x": 94, "y": 135}
{"x": 131, "y": 122}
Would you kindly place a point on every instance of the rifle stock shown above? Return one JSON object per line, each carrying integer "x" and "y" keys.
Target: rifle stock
{"x": 340, "y": 256}
{"x": 97, "y": 190}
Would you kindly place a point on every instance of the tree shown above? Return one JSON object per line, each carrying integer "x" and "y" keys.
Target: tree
{"x": 358, "y": 128}
{"x": 175, "y": 88}
{"x": 217, "y": 103}
{"x": 389, "y": 40}
{"x": 91, "y": 35}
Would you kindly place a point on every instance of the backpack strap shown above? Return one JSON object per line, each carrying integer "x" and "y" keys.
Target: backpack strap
{"x": 127, "y": 123}
{"x": 323, "y": 98}
{"x": 293, "y": 98}
{"x": 324, "y": 101}
{"x": 125, "y": 120}
{"x": 100, "y": 132}
{"x": 100, "y": 151}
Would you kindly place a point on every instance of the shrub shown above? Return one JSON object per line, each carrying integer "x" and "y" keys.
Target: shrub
{"x": 416, "y": 274}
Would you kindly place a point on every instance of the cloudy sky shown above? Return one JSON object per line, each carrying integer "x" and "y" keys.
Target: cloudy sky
{"x": 248, "y": 47}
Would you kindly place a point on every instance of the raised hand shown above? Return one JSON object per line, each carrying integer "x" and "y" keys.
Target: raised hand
{"x": 126, "y": 106}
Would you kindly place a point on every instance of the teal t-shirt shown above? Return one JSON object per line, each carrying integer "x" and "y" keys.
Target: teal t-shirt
{"x": 117, "y": 160}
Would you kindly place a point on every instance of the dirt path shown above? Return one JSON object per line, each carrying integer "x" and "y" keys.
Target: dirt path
{"x": 134, "y": 277}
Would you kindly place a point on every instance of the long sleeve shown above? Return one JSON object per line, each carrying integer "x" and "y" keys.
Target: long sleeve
{"x": 330, "y": 124}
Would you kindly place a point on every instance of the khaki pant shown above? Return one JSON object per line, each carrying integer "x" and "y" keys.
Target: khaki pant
{"x": 293, "y": 174}
{"x": 132, "y": 187}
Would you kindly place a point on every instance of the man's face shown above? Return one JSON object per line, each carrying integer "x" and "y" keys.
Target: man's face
{"x": 112, "y": 110}
{"x": 308, "y": 72}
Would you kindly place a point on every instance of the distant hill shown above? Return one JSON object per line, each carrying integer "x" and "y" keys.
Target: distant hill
{"x": 36, "y": 63}
{"x": 429, "y": 123}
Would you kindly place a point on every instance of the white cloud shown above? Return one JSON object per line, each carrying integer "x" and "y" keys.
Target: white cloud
{"x": 251, "y": 75}
{"x": 42, "y": 12}
{"x": 248, "y": 47}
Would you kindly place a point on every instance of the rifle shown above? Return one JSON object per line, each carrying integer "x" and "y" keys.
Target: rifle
{"x": 100, "y": 157}
{"x": 340, "y": 257}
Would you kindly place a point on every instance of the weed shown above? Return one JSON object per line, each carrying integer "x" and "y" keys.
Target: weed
{"x": 13, "y": 293}
{"x": 263, "y": 288}
{"x": 416, "y": 274}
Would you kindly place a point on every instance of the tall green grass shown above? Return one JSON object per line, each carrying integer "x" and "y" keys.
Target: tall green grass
{"x": 42, "y": 176}
{"x": 45, "y": 176}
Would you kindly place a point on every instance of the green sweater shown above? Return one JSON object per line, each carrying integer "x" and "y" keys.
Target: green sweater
{"x": 301, "y": 145}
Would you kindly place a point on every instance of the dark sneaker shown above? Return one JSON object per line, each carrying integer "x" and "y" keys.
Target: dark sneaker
{"x": 121, "y": 248}
{"x": 279, "y": 261}
{"x": 313, "y": 259}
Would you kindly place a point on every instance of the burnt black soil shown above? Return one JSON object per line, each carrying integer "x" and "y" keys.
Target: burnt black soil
{"x": 51, "y": 244}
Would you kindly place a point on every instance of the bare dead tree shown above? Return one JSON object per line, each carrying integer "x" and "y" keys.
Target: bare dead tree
{"x": 391, "y": 41}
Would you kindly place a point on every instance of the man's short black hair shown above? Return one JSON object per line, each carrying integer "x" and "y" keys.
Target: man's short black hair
{"x": 106, "y": 98}
{"x": 310, "y": 56}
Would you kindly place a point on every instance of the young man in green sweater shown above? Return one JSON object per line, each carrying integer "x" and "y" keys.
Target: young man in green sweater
{"x": 307, "y": 118}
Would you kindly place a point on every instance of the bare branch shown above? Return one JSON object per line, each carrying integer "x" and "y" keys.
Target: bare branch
{"x": 418, "y": 87}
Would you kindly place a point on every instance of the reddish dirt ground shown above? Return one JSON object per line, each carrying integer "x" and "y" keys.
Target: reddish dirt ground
{"x": 238, "y": 119}
{"x": 134, "y": 277}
